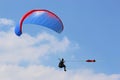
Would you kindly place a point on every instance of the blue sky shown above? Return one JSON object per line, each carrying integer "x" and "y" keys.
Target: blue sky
{"x": 91, "y": 31}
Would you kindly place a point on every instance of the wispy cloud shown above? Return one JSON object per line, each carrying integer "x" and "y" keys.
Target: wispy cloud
{"x": 5, "y": 21}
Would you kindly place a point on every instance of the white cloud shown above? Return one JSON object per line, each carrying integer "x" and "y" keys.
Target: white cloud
{"x": 28, "y": 47}
{"x": 35, "y": 72}
{"x": 14, "y": 49}
{"x": 5, "y": 21}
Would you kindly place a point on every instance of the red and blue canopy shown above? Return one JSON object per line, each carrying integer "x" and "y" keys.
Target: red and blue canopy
{"x": 40, "y": 17}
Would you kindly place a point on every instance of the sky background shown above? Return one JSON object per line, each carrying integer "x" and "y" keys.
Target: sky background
{"x": 91, "y": 31}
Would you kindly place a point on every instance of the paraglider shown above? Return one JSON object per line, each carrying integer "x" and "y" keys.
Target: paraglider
{"x": 40, "y": 17}
{"x": 61, "y": 64}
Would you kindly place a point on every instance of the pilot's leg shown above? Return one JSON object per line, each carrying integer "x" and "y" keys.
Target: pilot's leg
{"x": 64, "y": 67}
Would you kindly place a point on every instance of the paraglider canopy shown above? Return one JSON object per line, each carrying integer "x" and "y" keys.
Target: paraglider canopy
{"x": 40, "y": 17}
